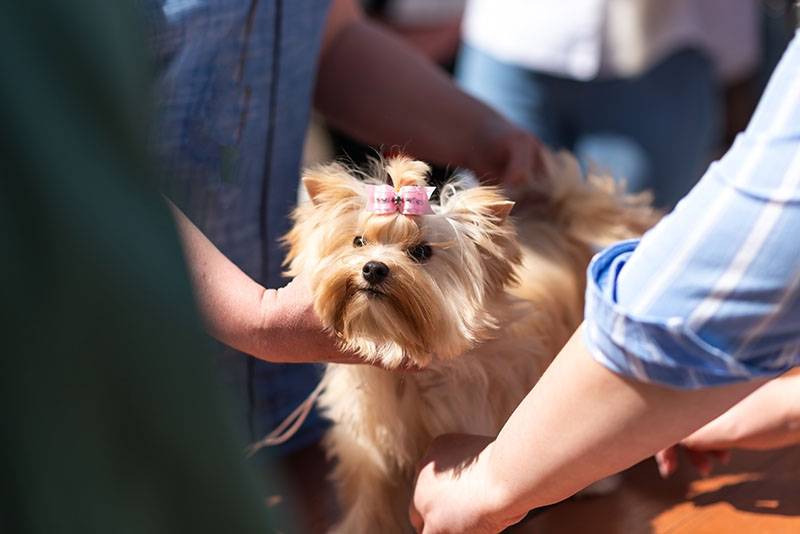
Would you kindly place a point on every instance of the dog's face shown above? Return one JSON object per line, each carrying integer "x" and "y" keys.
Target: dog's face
{"x": 403, "y": 288}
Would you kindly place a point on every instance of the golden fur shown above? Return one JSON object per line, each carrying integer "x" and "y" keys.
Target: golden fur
{"x": 485, "y": 315}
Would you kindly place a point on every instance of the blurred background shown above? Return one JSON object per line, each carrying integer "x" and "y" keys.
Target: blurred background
{"x": 672, "y": 84}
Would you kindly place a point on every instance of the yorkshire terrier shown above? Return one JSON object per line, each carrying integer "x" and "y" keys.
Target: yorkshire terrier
{"x": 448, "y": 288}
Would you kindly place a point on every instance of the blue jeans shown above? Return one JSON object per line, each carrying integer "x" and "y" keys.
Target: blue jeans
{"x": 656, "y": 131}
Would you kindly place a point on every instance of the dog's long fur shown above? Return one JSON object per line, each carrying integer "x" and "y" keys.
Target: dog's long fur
{"x": 485, "y": 315}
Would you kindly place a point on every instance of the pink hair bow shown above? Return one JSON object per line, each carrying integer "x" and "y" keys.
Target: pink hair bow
{"x": 410, "y": 200}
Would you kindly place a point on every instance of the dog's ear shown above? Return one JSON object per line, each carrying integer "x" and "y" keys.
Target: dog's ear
{"x": 331, "y": 184}
{"x": 314, "y": 187}
{"x": 501, "y": 209}
{"x": 478, "y": 205}
{"x": 482, "y": 214}
{"x": 336, "y": 197}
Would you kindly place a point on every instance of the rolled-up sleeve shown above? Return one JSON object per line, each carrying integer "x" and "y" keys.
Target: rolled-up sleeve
{"x": 710, "y": 295}
{"x": 659, "y": 349}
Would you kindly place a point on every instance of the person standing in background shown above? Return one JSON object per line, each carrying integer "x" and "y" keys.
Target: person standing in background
{"x": 630, "y": 86}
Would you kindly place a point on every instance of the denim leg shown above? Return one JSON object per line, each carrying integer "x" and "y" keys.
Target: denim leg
{"x": 618, "y": 155}
{"x": 527, "y": 98}
{"x": 657, "y": 130}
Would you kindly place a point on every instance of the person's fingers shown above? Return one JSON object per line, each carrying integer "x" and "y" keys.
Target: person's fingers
{"x": 534, "y": 192}
{"x": 413, "y": 513}
{"x": 415, "y": 517}
{"x": 541, "y": 179}
{"x": 519, "y": 171}
{"x": 527, "y": 170}
{"x": 667, "y": 461}
{"x": 700, "y": 460}
{"x": 723, "y": 456}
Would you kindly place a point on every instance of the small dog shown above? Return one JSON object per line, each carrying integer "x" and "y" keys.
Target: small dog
{"x": 450, "y": 289}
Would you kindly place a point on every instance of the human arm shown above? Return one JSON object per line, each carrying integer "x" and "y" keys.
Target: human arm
{"x": 600, "y": 424}
{"x": 277, "y": 325}
{"x": 707, "y": 298}
{"x": 768, "y": 418}
{"x": 379, "y": 90}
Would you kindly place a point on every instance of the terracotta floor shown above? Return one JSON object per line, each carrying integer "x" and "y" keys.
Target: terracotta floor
{"x": 756, "y": 493}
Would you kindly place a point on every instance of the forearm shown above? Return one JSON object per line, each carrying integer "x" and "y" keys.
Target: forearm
{"x": 582, "y": 422}
{"x": 381, "y": 91}
{"x": 768, "y": 418}
{"x": 274, "y": 325}
{"x": 229, "y": 300}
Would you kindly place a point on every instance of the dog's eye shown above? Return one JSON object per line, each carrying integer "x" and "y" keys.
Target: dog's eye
{"x": 420, "y": 253}
{"x": 359, "y": 241}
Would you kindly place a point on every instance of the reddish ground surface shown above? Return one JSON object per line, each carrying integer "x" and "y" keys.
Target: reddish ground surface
{"x": 756, "y": 493}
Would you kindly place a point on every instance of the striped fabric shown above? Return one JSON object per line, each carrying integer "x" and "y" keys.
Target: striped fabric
{"x": 710, "y": 295}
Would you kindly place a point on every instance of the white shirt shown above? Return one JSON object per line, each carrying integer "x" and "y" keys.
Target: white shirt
{"x": 585, "y": 39}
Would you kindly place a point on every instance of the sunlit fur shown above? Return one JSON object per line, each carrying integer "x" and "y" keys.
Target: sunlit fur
{"x": 484, "y": 315}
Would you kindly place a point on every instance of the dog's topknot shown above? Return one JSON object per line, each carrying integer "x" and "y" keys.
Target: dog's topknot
{"x": 403, "y": 170}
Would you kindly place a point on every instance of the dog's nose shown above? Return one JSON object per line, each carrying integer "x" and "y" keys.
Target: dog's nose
{"x": 374, "y": 272}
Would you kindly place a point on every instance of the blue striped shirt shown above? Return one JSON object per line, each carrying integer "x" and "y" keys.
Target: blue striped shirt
{"x": 710, "y": 295}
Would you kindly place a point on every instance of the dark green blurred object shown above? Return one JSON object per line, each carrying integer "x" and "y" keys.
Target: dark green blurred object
{"x": 111, "y": 420}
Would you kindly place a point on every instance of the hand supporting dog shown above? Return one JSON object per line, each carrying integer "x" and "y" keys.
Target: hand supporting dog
{"x": 277, "y": 325}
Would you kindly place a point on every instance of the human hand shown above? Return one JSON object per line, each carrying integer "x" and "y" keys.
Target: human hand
{"x": 769, "y": 418}
{"x": 291, "y": 331}
{"x": 667, "y": 459}
{"x": 454, "y": 492}
{"x": 509, "y": 156}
